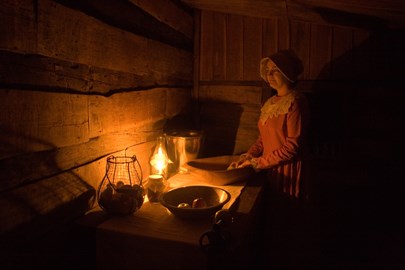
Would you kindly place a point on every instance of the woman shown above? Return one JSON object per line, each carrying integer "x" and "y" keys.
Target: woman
{"x": 280, "y": 148}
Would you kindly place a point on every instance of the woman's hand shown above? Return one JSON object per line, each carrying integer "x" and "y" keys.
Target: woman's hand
{"x": 242, "y": 162}
{"x": 250, "y": 163}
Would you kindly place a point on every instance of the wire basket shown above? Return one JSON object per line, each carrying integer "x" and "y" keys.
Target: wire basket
{"x": 121, "y": 191}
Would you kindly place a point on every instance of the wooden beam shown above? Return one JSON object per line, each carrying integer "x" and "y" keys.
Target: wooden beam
{"x": 170, "y": 13}
{"x": 123, "y": 14}
{"x": 36, "y": 72}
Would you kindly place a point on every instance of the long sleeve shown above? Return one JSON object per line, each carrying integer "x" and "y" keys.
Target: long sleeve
{"x": 257, "y": 148}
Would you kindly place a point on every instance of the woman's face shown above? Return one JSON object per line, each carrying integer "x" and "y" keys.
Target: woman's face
{"x": 274, "y": 77}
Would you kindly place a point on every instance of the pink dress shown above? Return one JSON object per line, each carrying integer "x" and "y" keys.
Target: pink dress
{"x": 280, "y": 146}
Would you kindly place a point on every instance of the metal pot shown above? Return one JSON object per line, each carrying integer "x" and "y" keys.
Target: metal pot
{"x": 183, "y": 146}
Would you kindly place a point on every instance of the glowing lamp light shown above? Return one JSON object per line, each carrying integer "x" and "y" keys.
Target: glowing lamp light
{"x": 160, "y": 159}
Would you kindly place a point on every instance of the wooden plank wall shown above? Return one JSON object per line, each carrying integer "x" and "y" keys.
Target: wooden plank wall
{"x": 342, "y": 72}
{"x": 76, "y": 86}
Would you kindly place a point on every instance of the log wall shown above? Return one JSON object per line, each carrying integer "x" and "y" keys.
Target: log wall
{"x": 79, "y": 83}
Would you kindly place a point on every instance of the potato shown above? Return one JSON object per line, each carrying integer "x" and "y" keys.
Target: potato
{"x": 183, "y": 205}
{"x": 199, "y": 203}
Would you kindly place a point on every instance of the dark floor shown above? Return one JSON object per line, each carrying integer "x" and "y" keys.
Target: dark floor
{"x": 67, "y": 249}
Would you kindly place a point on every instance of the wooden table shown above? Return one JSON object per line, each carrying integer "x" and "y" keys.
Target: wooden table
{"x": 153, "y": 238}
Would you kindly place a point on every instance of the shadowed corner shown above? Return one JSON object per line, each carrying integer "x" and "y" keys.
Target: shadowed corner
{"x": 221, "y": 136}
{"x": 39, "y": 206}
{"x": 338, "y": 17}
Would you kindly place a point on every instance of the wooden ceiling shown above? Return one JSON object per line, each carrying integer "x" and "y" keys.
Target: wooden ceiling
{"x": 357, "y": 13}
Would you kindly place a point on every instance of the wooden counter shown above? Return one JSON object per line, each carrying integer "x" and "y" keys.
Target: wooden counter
{"x": 153, "y": 238}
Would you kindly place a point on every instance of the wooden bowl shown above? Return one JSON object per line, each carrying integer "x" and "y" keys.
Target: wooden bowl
{"x": 213, "y": 198}
{"x": 213, "y": 170}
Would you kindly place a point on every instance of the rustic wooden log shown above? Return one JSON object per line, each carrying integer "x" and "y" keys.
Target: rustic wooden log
{"x": 97, "y": 44}
{"x": 41, "y": 73}
{"x": 125, "y": 15}
{"x": 23, "y": 169}
{"x": 125, "y": 111}
{"x": 31, "y": 211}
{"x": 85, "y": 40}
{"x": 36, "y": 121}
{"x": 112, "y": 128}
{"x": 116, "y": 123}
{"x": 18, "y": 26}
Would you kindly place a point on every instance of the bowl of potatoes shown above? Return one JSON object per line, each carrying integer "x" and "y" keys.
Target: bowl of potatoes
{"x": 197, "y": 201}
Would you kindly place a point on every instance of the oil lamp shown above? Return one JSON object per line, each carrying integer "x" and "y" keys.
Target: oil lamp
{"x": 159, "y": 160}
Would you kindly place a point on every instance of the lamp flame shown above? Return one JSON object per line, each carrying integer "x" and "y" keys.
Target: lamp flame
{"x": 160, "y": 159}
